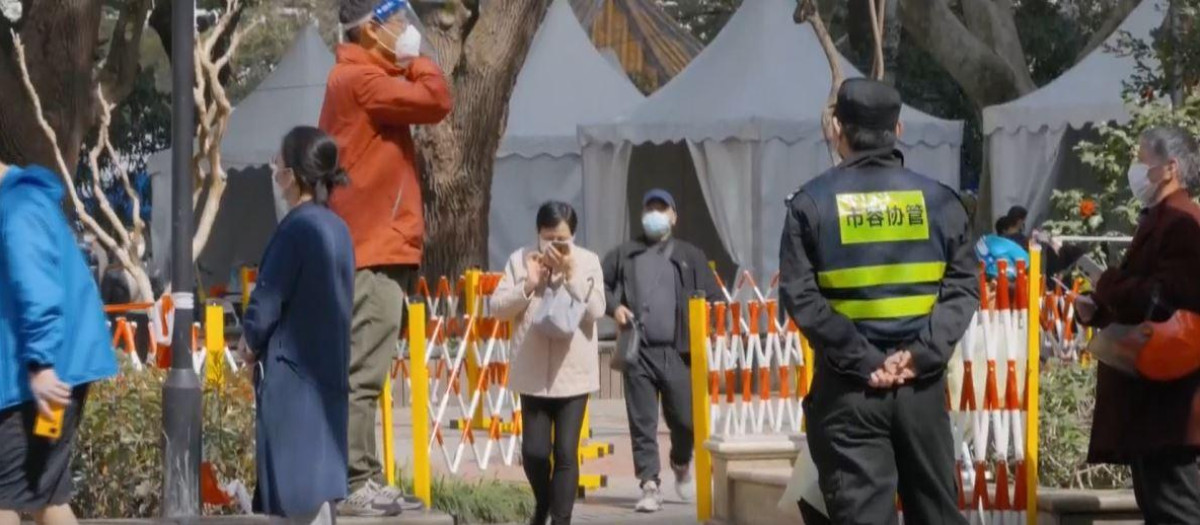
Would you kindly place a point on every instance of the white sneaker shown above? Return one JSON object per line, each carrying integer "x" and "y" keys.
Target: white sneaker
{"x": 651, "y": 498}
{"x": 363, "y": 504}
{"x": 685, "y": 485}
{"x": 387, "y": 495}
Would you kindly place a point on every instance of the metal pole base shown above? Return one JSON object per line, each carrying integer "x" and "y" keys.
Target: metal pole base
{"x": 182, "y": 403}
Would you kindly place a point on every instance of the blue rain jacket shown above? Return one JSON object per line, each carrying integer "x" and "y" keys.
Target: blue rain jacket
{"x": 50, "y": 309}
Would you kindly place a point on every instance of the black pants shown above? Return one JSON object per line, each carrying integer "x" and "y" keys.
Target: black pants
{"x": 870, "y": 444}
{"x": 660, "y": 370}
{"x": 35, "y": 472}
{"x": 811, "y": 516}
{"x": 1167, "y": 487}
{"x": 552, "y": 424}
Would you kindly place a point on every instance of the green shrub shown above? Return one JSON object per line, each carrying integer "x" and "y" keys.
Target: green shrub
{"x": 1068, "y": 395}
{"x": 118, "y": 455}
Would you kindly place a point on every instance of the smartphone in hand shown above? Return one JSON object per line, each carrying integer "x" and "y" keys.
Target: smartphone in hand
{"x": 49, "y": 427}
{"x": 1091, "y": 269}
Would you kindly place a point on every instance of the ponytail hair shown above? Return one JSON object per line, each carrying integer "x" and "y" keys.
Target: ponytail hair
{"x": 313, "y": 158}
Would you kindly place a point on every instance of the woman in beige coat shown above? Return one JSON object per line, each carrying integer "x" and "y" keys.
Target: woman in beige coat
{"x": 553, "y": 373}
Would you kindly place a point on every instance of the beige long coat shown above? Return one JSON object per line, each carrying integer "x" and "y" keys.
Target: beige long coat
{"x": 541, "y": 366}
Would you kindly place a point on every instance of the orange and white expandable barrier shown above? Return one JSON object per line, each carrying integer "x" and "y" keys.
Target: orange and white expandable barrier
{"x": 1062, "y": 335}
{"x": 749, "y": 342}
{"x": 456, "y": 343}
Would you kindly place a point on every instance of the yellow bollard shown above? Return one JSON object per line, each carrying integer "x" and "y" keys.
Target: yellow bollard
{"x": 1032, "y": 382}
{"x": 474, "y": 310}
{"x": 214, "y": 344}
{"x": 389, "y": 444}
{"x": 809, "y": 368}
{"x": 698, "y": 334}
{"x": 419, "y": 377}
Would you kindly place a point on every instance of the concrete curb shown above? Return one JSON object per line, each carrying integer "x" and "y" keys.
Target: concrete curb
{"x": 408, "y": 518}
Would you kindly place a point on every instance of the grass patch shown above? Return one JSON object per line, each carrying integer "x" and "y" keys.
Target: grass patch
{"x": 482, "y": 501}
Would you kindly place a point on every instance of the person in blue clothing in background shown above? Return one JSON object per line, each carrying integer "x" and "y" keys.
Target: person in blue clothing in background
{"x": 297, "y": 329}
{"x": 53, "y": 344}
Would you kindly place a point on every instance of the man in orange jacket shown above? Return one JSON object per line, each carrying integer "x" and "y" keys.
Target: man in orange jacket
{"x": 379, "y": 88}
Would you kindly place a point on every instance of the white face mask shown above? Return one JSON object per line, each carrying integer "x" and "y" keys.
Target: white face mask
{"x": 281, "y": 203}
{"x": 1140, "y": 184}
{"x": 408, "y": 44}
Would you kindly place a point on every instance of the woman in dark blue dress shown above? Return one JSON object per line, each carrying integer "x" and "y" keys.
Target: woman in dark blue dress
{"x": 297, "y": 331}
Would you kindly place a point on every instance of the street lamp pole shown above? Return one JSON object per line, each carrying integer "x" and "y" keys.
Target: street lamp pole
{"x": 181, "y": 401}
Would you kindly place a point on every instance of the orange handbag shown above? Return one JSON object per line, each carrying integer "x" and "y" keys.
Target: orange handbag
{"x": 1163, "y": 351}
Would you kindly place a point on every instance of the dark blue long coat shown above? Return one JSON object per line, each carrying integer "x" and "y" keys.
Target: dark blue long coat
{"x": 298, "y": 322}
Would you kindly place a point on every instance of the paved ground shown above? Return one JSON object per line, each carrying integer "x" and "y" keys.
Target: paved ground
{"x": 610, "y": 505}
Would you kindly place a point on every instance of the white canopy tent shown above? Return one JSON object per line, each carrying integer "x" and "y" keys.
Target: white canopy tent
{"x": 1031, "y": 139}
{"x": 748, "y": 111}
{"x": 564, "y": 82}
{"x": 290, "y": 96}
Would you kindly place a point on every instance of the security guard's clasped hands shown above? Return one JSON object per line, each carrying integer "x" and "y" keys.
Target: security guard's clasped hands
{"x": 896, "y": 370}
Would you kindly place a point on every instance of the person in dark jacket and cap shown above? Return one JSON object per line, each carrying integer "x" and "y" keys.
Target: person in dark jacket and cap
{"x": 877, "y": 269}
{"x": 650, "y": 280}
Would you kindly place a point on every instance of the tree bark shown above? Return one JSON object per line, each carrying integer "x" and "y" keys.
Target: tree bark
{"x": 993, "y": 23}
{"x": 984, "y": 75}
{"x": 481, "y": 52}
{"x": 1118, "y": 15}
{"x": 61, "y": 39}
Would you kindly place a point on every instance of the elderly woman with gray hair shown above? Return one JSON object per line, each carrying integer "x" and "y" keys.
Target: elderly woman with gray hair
{"x": 1153, "y": 426}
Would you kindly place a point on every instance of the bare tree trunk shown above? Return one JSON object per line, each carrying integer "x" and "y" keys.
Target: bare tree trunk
{"x": 61, "y": 38}
{"x": 481, "y": 53}
{"x": 992, "y": 22}
{"x": 984, "y": 74}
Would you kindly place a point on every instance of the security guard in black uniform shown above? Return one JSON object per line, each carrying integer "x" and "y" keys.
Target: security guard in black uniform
{"x": 877, "y": 270}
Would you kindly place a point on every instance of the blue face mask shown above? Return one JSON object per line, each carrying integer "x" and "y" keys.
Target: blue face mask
{"x": 656, "y": 224}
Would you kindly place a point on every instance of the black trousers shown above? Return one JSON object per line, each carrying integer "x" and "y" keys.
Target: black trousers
{"x": 811, "y": 516}
{"x": 869, "y": 444}
{"x": 551, "y": 428}
{"x": 1167, "y": 487}
{"x": 660, "y": 371}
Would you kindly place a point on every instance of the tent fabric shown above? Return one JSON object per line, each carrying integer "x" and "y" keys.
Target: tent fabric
{"x": 749, "y": 109}
{"x": 519, "y": 188}
{"x": 1025, "y": 136}
{"x": 763, "y": 77}
{"x": 290, "y": 96}
{"x": 564, "y": 82}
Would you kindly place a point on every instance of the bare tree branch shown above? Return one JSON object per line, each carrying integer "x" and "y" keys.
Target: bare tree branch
{"x": 119, "y": 250}
{"x": 94, "y": 164}
{"x": 806, "y": 11}
{"x": 878, "y": 14}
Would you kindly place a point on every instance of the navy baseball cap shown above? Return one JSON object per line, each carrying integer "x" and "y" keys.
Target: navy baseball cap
{"x": 658, "y": 194}
{"x": 868, "y": 104}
